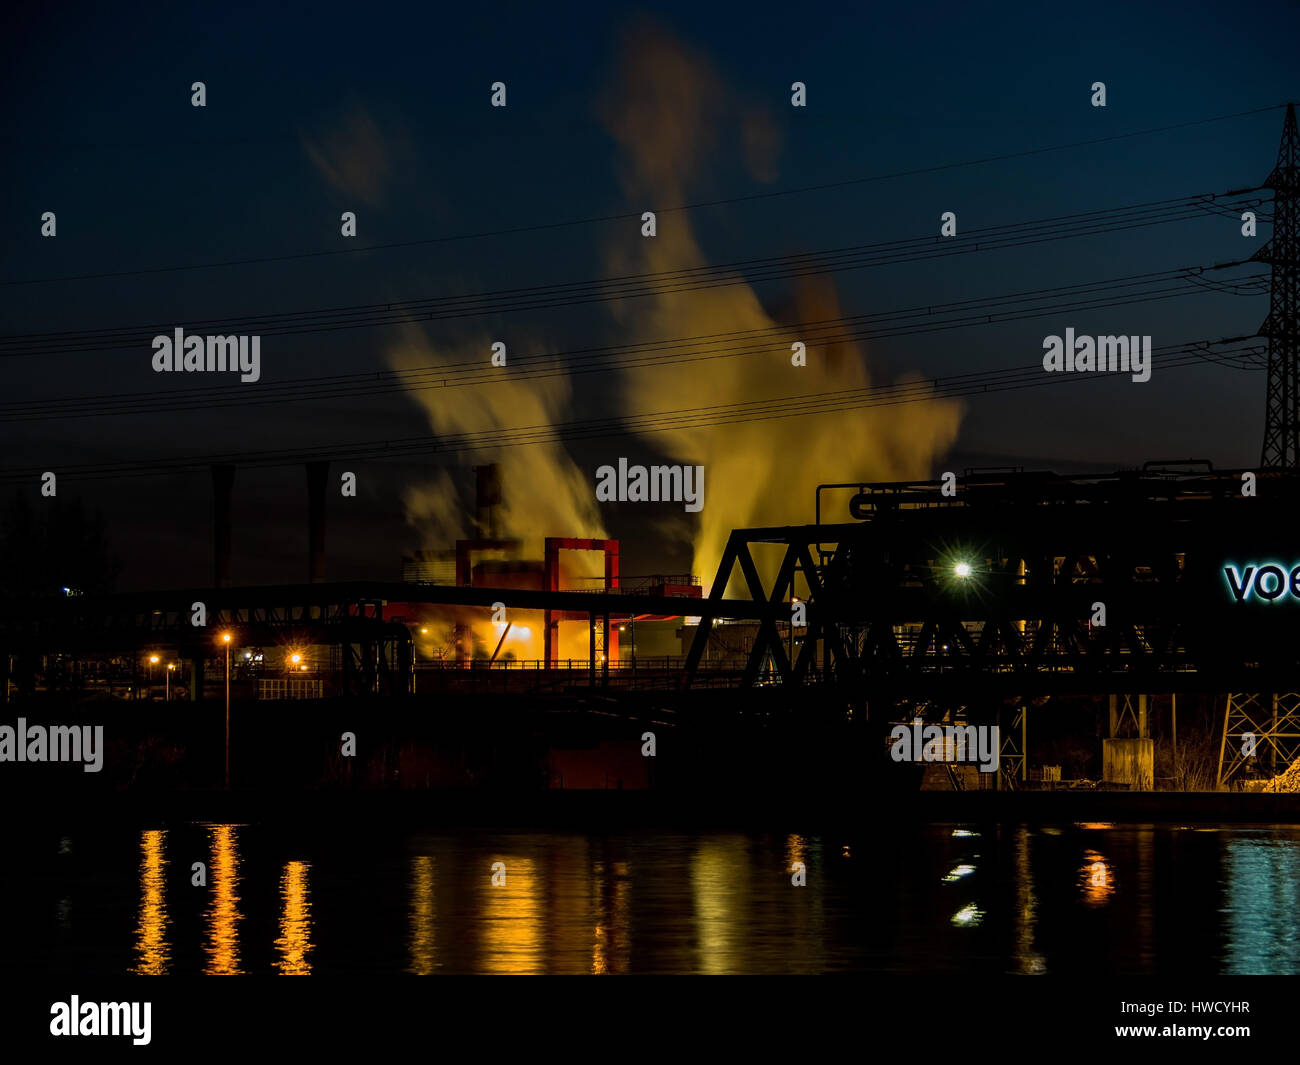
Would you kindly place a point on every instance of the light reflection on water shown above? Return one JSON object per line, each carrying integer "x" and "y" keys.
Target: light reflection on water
{"x": 609, "y": 952}
{"x": 1012, "y": 898}
{"x": 1261, "y": 904}
{"x": 1095, "y": 879}
{"x": 294, "y": 942}
{"x": 511, "y": 925}
{"x": 1024, "y": 907}
{"x": 151, "y": 947}
{"x": 719, "y": 889}
{"x": 223, "y": 912}
{"x": 422, "y": 937}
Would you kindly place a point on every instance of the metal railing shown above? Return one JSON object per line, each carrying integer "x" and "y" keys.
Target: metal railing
{"x": 628, "y": 665}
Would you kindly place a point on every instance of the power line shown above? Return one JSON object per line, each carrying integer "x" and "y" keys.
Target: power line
{"x": 976, "y": 383}
{"x": 669, "y": 282}
{"x": 1139, "y": 288}
{"x": 630, "y": 215}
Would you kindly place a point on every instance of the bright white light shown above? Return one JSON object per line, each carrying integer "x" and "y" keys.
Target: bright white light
{"x": 958, "y": 873}
{"x": 962, "y": 569}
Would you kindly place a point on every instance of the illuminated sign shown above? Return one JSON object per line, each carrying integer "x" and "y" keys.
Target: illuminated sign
{"x": 1268, "y": 582}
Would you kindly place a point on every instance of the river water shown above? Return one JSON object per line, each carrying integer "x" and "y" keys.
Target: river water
{"x": 1062, "y": 899}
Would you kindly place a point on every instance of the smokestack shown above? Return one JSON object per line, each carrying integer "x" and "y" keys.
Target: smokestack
{"x": 317, "y": 475}
{"x": 487, "y": 497}
{"x": 223, "y": 483}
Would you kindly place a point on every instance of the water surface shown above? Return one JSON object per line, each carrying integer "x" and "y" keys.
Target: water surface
{"x": 1062, "y": 899}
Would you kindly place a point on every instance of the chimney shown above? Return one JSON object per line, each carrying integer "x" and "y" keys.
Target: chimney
{"x": 223, "y": 483}
{"x": 487, "y": 498}
{"x": 317, "y": 476}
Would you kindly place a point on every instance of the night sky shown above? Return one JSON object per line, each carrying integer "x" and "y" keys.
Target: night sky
{"x": 314, "y": 110}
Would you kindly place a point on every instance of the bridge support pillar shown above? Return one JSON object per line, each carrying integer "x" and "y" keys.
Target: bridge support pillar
{"x": 1013, "y": 758}
{"x": 1129, "y": 760}
{"x": 1128, "y": 710}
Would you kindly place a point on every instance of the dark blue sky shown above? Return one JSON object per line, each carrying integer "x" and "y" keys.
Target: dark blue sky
{"x": 97, "y": 126}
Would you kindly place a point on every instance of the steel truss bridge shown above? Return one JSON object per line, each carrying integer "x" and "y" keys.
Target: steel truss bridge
{"x": 969, "y": 601}
{"x": 975, "y": 599}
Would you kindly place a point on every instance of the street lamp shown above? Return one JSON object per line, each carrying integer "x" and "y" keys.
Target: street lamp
{"x": 167, "y": 678}
{"x": 225, "y": 638}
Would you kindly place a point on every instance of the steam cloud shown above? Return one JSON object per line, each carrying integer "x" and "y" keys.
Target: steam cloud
{"x": 668, "y": 111}
{"x": 543, "y": 491}
{"x": 667, "y": 114}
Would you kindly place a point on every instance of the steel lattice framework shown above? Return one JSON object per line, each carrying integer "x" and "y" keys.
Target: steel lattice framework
{"x": 1282, "y": 252}
{"x": 1018, "y": 586}
{"x": 1042, "y": 553}
{"x": 1266, "y": 727}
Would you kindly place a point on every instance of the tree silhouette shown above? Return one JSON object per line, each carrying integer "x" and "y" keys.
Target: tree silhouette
{"x": 56, "y": 546}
